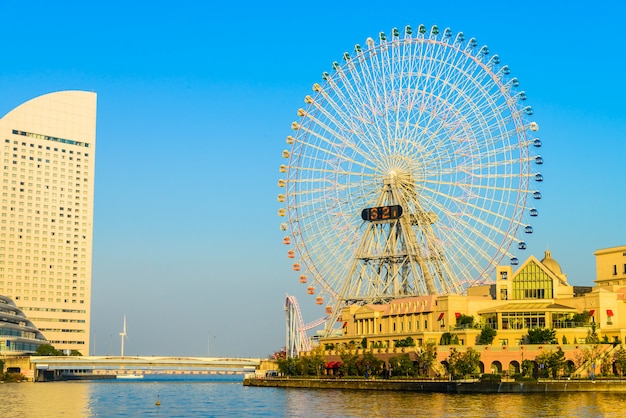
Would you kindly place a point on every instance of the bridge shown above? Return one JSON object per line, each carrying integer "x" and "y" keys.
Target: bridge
{"x": 76, "y": 367}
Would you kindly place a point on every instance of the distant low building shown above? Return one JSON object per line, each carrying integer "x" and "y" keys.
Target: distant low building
{"x": 18, "y": 335}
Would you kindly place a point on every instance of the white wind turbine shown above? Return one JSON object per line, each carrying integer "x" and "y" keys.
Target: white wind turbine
{"x": 123, "y": 335}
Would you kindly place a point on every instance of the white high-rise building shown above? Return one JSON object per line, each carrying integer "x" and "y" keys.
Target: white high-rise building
{"x": 46, "y": 215}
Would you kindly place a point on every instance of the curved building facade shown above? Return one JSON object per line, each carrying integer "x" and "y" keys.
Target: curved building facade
{"x": 46, "y": 213}
{"x": 18, "y": 335}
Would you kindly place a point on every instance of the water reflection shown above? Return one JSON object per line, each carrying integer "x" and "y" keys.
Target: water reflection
{"x": 68, "y": 399}
{"x": 406, "y": 404}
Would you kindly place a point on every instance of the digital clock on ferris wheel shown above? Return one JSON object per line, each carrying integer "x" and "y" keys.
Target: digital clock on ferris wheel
{"x": 382, "y": 213}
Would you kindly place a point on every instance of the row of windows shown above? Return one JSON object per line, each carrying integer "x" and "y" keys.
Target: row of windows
{"x": 80, "y": 331}
{"x": 53, "y": 159}
{"x": 51, "y": 260}
{"x": 17, "y": 346}
{"x": 367, "y": 326}
{"x": 532, "y": 283}
{"x": 82, "y": 282}
{"x": 45, "y": 186}
{"x": 26, "y": 284}
{"x": 57, "y": 342}
{"x": 16, "y": 333}
{"x": 54, "y": 155}
{"x": 44, "y": 239}
{"x": 57, "y": 300}
{"x": 45, "y": 171}
{"x": 50, "y": 138}
{"x": 10, "y": 263}
{"x": 34, "y": 291}
{"x": 46, "y": 168}
{"x": 36, "y": 259}
{"x": 62, "y": 310}
{"x": 43, "y": 292}
{"x": 43, "y": 274}
{"x": 71, "y": 321}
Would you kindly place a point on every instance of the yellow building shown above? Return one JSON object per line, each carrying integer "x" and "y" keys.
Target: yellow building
{"x": 536, "y": 295}
{"x": 46, "y": 216}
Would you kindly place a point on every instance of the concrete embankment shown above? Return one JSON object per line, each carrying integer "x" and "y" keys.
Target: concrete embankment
{"x": 442, "y": 386}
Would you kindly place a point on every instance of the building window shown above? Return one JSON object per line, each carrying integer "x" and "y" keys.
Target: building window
{"x": 532, "y": 283}
{"x": 614, "y": 269}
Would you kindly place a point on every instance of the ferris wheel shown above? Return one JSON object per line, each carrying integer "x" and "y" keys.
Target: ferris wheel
{"x": 411, "y": 171}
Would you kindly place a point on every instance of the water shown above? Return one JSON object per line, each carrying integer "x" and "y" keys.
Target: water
{"x": 226, "y": 396}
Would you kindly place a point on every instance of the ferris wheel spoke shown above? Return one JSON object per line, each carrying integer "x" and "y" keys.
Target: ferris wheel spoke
{"x": 486, "y": 221}
{"x": 354, "y": 121}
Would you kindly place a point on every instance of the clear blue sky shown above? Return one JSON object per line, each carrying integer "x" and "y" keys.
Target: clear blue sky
{"x": 195, "y": 100}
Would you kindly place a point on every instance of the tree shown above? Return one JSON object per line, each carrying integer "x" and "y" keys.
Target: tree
{"x": 592, "y": 335}
{"x": 446, "y": 339}
{"x": 591, "y": 357}
{"x": 47, "y": 350}
{"x": 465, "y": 321}
{"x": 426, "y": 357}
{"x": 551, "y": 362}
{"x": 527, "y": 368}
{"x": 581, "y": 318}
{"x": 348, "y": 363}
{"x": 402, "y": 365}
{"x": 287, "y": 366}
{"x": 75, "y": 353}
{"x": 619, "y": 357}
{"x": 364, "y": 343}
{"x": 316, "y": 361}
{"x": 463, "y": 364}
{"x": 541, "y": 336}
{"x": 407, "y": 342}
{"x": 369, "y": 363}
{"x": 487, "y": 335}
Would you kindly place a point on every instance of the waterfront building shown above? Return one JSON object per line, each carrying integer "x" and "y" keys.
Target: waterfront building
{"x": 18, "y": 335}
{"x": 46, "y": 213}
{"x": 535, "y": 295}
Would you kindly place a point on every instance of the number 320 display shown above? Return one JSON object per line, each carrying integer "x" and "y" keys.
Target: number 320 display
{"x": 382, "y": 213}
